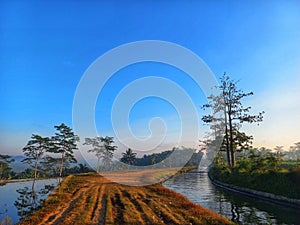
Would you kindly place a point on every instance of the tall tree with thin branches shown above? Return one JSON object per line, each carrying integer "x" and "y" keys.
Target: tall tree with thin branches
{"x": 97, "y": 148}
{"x": 110, "y": 148}
{"x": 64, "y": 143}
{"x": 34, "y": 151}
{"x": 103, "y": 148}
{"x": 235, "y": 114}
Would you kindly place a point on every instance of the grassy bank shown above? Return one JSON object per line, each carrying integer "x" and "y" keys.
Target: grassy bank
{"x": 281, "y": 182}
{"x": 92, "y": 199}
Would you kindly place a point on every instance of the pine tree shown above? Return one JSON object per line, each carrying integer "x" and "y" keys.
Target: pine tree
{"x": 34, "y": 151}
{"x": 64, "y": 143}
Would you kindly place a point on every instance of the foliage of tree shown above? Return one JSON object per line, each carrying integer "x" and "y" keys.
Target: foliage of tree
{"x": 64, "y": 144}
{"x": 6, "y": 158}
{"x": 259, "y": 169}
{"x": 293, "y": 154}
{"x": 34, "y": 151}
{"x": 5, "y": 170}
{"x": 253, "y": 161}
{"x": 151, "y": 159}
{"x": 97, "y": 148}
{"x": 128, "y": 157}
{"x": 229, "y": 103}
{"x": 170, "y": 158}
{"x": 295, "y": 147}
{"x": 80, "y": 168}
{"x": 103, "y": 148}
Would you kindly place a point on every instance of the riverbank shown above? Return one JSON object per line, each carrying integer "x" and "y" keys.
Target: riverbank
{"x": 3, "y": 182}
{"x": 278, "y": 199}
{"x": 93, "y": 199}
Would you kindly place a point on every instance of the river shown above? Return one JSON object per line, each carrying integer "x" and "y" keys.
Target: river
{"x": 197, "y": 187}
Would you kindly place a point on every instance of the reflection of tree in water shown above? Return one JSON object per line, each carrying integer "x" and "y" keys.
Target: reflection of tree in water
{"x": 242, "y": 212}
{"x": 235, "y": 213}
{"x": 29, "y": 200}
{"x": 260, "y": 218}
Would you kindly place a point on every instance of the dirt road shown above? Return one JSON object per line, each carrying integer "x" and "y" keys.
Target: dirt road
{"x": 92, "y": 199}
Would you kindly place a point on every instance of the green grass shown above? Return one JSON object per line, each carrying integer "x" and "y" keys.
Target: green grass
{"x": 288, "y": 164}
{"x": 282, "y": 182}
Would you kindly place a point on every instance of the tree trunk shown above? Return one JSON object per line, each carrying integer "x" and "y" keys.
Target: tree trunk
{"x": 231, "y": 140}
{"x": 36, "y": 167}
{"x": 226, "y": 138}
{"x": 61, "y": 164}
{"x": 98, "y": 165}
{"x": 1, "y": 169}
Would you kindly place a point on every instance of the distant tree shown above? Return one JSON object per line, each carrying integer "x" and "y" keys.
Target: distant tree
{"x": 5, "y": 170}
{"x": 34, "y": 150}
{"x": 97, "y": 148}
{"x": 79, "y": 168}
{"x": 110, "y": 148}
{"x": 128, "y": 157}
{"x": 64, "y": 143}
{"x": 82, "y": 168}
{"x": 229, "y": 102}
{"x": 279, "y": 151}
{"x": 103, "y": 148}
{"x": 6, "y": 158}
{"x": 295, "y": 147}
{"x": 294, "y": 152}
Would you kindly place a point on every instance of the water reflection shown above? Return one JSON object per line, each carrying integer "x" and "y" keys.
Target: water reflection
{"x": 30, "y": 200}
{"x": 17, "y": 200}
{"x": 240, "y": 209}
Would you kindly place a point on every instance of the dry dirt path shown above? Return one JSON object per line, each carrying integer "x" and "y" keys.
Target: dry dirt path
{"x": 93, "y": 199}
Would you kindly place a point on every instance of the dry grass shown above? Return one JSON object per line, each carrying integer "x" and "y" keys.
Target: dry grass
{"x": 92, "y": 199}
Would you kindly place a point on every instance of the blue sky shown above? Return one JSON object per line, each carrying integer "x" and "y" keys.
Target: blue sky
{"x": 46, "y": 46}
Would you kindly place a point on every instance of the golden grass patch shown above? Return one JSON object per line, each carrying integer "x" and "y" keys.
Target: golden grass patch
{"x": 92, "y": 199}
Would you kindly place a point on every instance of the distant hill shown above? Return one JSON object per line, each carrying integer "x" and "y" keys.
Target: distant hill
{"x": 17, "y": 166}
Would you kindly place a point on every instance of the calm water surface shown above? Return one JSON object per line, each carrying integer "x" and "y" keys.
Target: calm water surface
{"x": 241, "y": 209}
{"x": 9, "y": 194}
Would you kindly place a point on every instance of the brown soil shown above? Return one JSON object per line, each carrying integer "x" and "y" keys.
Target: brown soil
{"x": 93, "y": 199}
